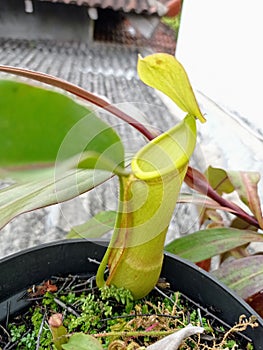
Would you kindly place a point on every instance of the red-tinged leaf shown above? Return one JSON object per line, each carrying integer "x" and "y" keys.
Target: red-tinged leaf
{"x": 244, "y": 276}
{"x": 205, "y": 264}
{"x": 196, "y": 180}
{"x": 246, "y": 185}
{"x": 219, "y": 180}
{"x": 204, "y": 244}
{"x": 256, "y": 302}
{"x": 202, "y": 201}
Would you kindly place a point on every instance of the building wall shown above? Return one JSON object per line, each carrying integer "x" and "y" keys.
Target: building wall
{"x": 220, "y": 45}
{"x": 48, "y": 21}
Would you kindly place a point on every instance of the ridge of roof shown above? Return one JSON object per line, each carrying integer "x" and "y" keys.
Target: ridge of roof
{"x": 149, "y": 7}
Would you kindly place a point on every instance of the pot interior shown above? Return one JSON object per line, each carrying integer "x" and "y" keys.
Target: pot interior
{"x": 19, "y": 271}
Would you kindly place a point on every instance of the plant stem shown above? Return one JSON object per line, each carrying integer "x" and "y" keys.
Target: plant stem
{"x": 134, "y": 334}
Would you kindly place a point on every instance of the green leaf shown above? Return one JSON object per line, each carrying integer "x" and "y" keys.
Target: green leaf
{"x": 81, "y": 341}
{"x": 80, "y": 92}
{"x": 204, "y": 244}
{"x": 43, "y": 135}
{"x": 163, "y": 72}
{"x": 244, "y": 276}
{"x": 38, "y": 125}
{"x": 97, "y": 226}
{"x": 219, "y": 180}
{"x": 95, "y": 160}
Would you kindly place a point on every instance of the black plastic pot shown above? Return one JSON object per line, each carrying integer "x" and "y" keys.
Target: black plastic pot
{"x": 21, "y": 270}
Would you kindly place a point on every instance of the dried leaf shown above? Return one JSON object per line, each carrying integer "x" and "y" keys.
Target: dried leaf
{"x": 246, "y": 185}
{"x": 173, "y": 341}
{"x": 41, "y": 289}
{"x": 242, "y": 225}
{"x": 196, "y": 180}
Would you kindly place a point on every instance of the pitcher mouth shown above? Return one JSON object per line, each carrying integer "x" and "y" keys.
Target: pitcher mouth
{"x": 167, "y": 153}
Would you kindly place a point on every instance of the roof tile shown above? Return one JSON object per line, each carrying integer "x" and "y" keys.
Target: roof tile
{"x": 138, "y": 6}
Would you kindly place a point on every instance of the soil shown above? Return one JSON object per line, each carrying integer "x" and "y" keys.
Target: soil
{"x": 112, "y": 316}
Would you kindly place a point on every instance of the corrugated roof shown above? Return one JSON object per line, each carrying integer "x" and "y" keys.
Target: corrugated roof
{"x": 138, "y": 6}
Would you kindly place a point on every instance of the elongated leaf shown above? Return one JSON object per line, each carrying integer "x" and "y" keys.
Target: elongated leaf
{"x": 97, "y": 226}
{"x": 163, "y": 72}
{"x": 244, "y": 276}
{"x": 213, "y": 242}
{"x": 23, "y": 197}
{"x": 202, "y": 200}
{"x": 246, "y": 185}
{"x": 219, "y": 180}
{"x": 148, "y": 198}
{"x": 41, "y": 132}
